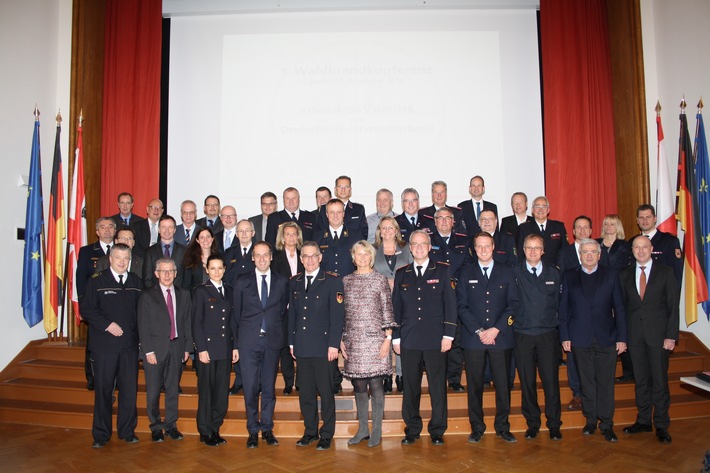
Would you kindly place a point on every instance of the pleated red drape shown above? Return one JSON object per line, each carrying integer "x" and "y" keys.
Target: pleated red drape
{"x": 131, "y": 115}
{"x": 580, "y": 160}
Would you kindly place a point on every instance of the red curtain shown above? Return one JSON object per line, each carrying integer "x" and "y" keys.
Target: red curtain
{"x": 580, "y": 161}
{"x": 131, "y": 115}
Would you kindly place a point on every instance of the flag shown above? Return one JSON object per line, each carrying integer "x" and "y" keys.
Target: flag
{"x": 702, "y": 172}
{"x": 32, "y": 264}
{"x": 664, "y": 187}
{"x": 696, "y": 290}
{"x": 76, "y": 231}
{"x": 56, "y": 232}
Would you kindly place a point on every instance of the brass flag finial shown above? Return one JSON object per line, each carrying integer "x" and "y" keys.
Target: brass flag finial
{"x": 59, "y": 117}
{"x": 700, "y": 103}
{"x": 36, "y": 113}
{"x": 683, "y": 104}
{"x": 658, "y": 107}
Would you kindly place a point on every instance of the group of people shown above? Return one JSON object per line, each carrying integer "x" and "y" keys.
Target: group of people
{"x": 438, "y": 288}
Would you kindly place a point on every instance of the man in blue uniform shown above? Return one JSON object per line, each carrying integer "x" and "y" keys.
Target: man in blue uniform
{"x": 552, "y": 231}
{"x": 336, "y": 240}
{"x": 410, "y": 218}
{"x": 439, "y": 194}
{"x": 355, "y": 220}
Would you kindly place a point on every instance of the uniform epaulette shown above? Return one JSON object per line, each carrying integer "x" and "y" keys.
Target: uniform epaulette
{"x": 333, "y": 274}
{"x": 460, "y": 234}
{"x": 295, "y": 275}
{"x": 443, "y": 262}
{"x": 96, "y": 275}
{"x": 428, "y": 216}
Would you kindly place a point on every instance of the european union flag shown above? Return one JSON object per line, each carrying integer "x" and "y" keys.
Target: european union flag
{"x": 32, "y": 266}
{"x": 702, "y": 172}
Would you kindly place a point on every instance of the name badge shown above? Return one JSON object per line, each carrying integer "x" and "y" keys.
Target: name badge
{"x": 549, "y": 283}
{"x": 473, "y": 281}
{"x": 432, "y": 281}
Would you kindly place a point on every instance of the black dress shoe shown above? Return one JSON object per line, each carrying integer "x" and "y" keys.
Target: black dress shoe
{"x": 235, "y": 389}
{"x": 157, "y": 436}
{"x": 338, "y": 388}
{"x": 253, "y": 440}
{"x": 475, "y": 437}
{"x": 636, "y": 428}
{"x": 663, "y": 435}
{"x": 306, "y": 440}
{"x": 398, "y": 382}
{"x": 323, "y": 444}
{"x": 555, "y": 434}
{"x": 179, "y": 389}
{"x": 457, "y": 387}
{"x": 208, "y": 440}
{"x": 531, "y": 433}
{"x": 409, "y": 439}
{"x": 288, "y": 390}
{"x": 268, "y": 436}
{"x": 174, "y": 434}
{"x": 609, "y": 435}
{"x": 90, "y": 387}
{"x": 218, "y": 438}
{"x": 589, "y": 429}
{"x": 388, "y": 384}
{"x": 507, "y": 436}
{"x": 437, "y": 440}
{"x": 98, "y": 444}
{"x": 625, "y": 379}
{"x": 131, "y": 439}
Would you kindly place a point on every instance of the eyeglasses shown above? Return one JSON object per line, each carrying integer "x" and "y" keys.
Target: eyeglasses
{"x": 225, "y": 216}
{"x": 315, "y": 256}
{"x": 541, "y": 207}
{"x": 154, "y": 207}
{"x": 441, "y": 217}
{"x": 418, "y": 244}
{"x": 533, "y": 248}
{"x": 166, "y": 272}
{"x": 589, "y": 252}
{"x": 487, "y": 219}
{"x": 270, "y": 204}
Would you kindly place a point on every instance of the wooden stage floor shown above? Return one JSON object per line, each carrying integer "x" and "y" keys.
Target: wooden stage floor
{"x": 33, "y": 449}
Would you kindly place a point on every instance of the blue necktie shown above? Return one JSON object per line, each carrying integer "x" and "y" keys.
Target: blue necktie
{"x": 485, "y": 275}
{"x": 478, "y": 210}
{"x": 264, "y": 299}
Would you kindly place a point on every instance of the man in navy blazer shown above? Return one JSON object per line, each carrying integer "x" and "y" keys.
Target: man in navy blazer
{"x": 354, "y": 219}
{"x": 593, "y": 325}
{"x": 185, "y": 232}
{"x": 125, "y": 216}
{"x": 487, "y": 302}
{"x": 471, "y": 208}
{"x": 260, "y": 299}
{"x": 292, "y": 212}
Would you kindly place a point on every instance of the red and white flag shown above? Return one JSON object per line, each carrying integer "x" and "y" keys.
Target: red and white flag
{"x": 76, "y": 231}
{"x": 665, "y": 193}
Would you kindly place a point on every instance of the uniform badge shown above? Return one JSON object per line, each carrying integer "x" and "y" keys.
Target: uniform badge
{"x": 677, "y": 253}
{"x": 453, "y": 283}
{"x": 510, "y": 320}
{"x": 339, "y": 297}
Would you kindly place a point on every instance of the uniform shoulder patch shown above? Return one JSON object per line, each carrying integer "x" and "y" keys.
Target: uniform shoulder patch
{"x": 335, "y": 275}
{"x": 510, "y": 320}
{"x": 339, "y": 297}
{"x": 453, "y": 283}
{"x": 677, "y": 253}
{"x": 96, "y": 275}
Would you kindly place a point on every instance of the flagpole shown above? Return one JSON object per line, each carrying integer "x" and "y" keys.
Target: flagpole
{"x": 658, "y": 154}
{"x": 63, "y": 281}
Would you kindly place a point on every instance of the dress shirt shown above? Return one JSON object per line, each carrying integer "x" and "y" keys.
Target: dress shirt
{"x": 292, "y": 261}
{"x": 105, "y": 245}
{"x": 339, "y": 230}
{"x": 647, "y": 270}
{"x": 258, "y": 280}
{"x": 115, "y": 275}
{"x": 538, "y": 268}
{"x": 590, "y": 271}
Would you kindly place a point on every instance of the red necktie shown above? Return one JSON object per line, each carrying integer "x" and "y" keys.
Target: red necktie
{"x": 642, "y": 282}
{"x": 171, "y": 312}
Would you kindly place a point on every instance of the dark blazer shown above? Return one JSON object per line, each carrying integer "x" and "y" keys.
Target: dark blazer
{"x": 306, "y": 220}
{"x": 180, "y": 234}
{"x": 430, "y": 226}
{"x": 485, "y": 305}
{"x": 202, "y": 222}
{"x": 424, "y": 308}
{"x": 141, "y": 230}
{"x": 601, "y": 318}
{"x": 666, "y": 250}
{"x": 131, "y": 220}
{"x": 509, "y": 225}
{"x": 106, "y": 301}
{"x": 504, "y": 252}
{"x": 336, "y": 256}
{"x": 468, "y": 214}
{"x": 618, "y": 256}
{"x": 154, "y": 321}
{"x": 136, "y": 266}
{"x": 656, "y": 317}
{"x": 280, "y": 263}
{"x": 155, "y": 253}
{"x": 237, "y": 263}
{"x": 212, "y": 327}
{"x": 257, "y": 220}
{"x": 555, "y": 239}
{"x": 406, "y": 227}
{"x": 249, "y": 313}
{"x": 355, "y": 220}
{"x": 219, "y": 238}
{"x": 86, "y": 265}
{"x": 316, "y": 317}
{"x": 456, "y": 253}
{"x": 194, "y": 277}
{"x": 568, "y": 258}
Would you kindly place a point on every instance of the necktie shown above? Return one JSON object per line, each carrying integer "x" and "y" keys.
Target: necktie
{"x": 293, "y": 216}
{"x": 412, "y": 219}
{"x": 120, "y": 279}
{"x": 542, "y": 228}
{"x": 125, "y": 220}
{"x": 478, "y": 210}
{"x": 245, "y": 251}
{"x": 447, "y": 240}
{"x": 221, "y": 291}
{"x": 335, "y": 237}
{"x": 419, "y": 271}
{"x": 210, "y": 223}
{"x": 308, "y": 282}
{"x": 485, "y": 274}
{"x": 153, "y": 233}
{"x": 264, "y": 299}
{"x": 187, "y": 234}
{"x": 108, "y": 249}
{"x": 171, "y": 312}
{"x": 227, "y": 238}
{"x": 534, "y": 271}
{"x": 642, "y": 282}
{"x": 166, "y": 253}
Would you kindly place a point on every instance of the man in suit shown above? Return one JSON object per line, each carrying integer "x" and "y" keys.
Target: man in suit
{"x": 593, "y": 325}
{"x": 292, "y": 212}
{"x": 384, "y": 202}
{"x": 439, "y": 194}
{"x": 471, "y": 209}
{"x": 487, "y": 302}
{"x": 211, "y": 218}
{"x": 260, "y": 300}
{"x": 186, "y": 231}
{"x": 165, "y": 332}
{"x": 354, "y": 219}
{"x": 409, "y": 220}
{"x": 146, "y": 231}
{"x": 269, "y": 205}
{"x": 227, "y": 237}
{"x": 86, "y": 266}
{"x": 315, "y": 328}
{"x": 166, "y": 247}
{"x": 424, "y": 303}
{"x": 336, "y": 240}
{"x": 135, "y": 266}
{"x": 109, "y": 307}
{"x": 552, "y": 231}
{"x": 125, "y": 214}
{"x": 537, "y": 339}
{"x": 510, "y": 224}
{"x": 323, "y": 195}
{"x": 651, "y": 300}
{"x": 504, "y": 252}
{"x": 215, "y": 339}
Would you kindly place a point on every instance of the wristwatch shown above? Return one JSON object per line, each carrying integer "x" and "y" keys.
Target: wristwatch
{"x": 388, "y": 337}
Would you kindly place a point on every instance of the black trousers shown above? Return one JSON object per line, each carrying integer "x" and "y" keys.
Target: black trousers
{"x": 541, "y": 353}
{"x": 315, "y": 377}
{"x": 259, "y": 367}
{"x": 112, "y": 368}
{"x": 596, "y": 366}
{"x": 287, "y": 366}
{"x": 454, "y": 359}
{"x": 500, "y": 369}
{"x": 434, "y": 361}
{"x": 164, "y": 373}
{"x": 651, "y": 376}
{"x": 213, "y": 394}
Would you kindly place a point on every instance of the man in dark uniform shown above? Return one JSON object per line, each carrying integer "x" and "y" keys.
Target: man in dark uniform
{"x": 110, "y": 307}
{"x": 315, "y": 328}
{"x": 125, "y": 236}
{"x": 519, "y": 205}
{"x": 424, "y": 303}
{"x": 471, "y": 208}
{"x": 487, "y": 300}
{"x": 439, "y": 194}
{"x": 537, "y": 340}
{"x": 504, "y": 252}
{"x": 552, "y": 231}
{"x": 410, "y": 218}
{"x": 125, "y": 209}
{"x": 336, "y": 240}
{"x": 355, "y": 220}
{"x": 292, "y": 212}
{"x": 323, "y": 195}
